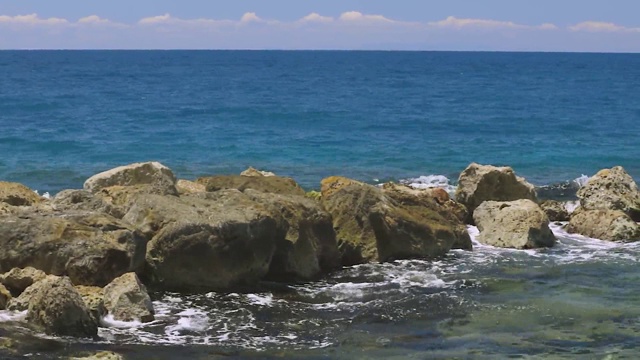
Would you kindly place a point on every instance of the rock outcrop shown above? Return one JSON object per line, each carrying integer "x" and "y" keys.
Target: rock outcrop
{"x": 519, "y": 224}
{"x": 57, "y": 308}
{"x": 149, "y": 173}
{"x": 372, "y": 225}
{"x": 17, "y": 279}
{"x": 266, "y": 184}
{"x": 478, "y": 183}
{"x": 611, "y": 189}
{"x": 16, "y": 194}
{"x": 555, "y": 210}
{"x": 126, "y": 299}
{"x": 613, "y": 225}
{"x": 92, "y": 249}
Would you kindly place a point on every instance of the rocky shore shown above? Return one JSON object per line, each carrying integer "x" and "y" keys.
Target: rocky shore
{"x": 85, "y": 254}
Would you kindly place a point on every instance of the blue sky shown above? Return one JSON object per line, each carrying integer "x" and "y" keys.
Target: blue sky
{"x": 521, "y": 25}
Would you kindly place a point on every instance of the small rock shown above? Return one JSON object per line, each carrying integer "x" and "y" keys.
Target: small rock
{"x": 256, "y": 173}
{"x": 189, "y": 187}
{"x": 126, "y": 299}
{"x": 17, "y": 279}
{"x": 555, "y": 210}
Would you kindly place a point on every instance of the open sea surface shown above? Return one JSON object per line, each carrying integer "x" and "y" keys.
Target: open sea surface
{"x": 415, "y": 117}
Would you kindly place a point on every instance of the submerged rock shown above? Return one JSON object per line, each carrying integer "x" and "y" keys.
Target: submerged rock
{"x": 478, "y": 183}
{"x": 374, "y": 225}
{"x": 126, "y": 299}
{"x": 611, "y": 189}
{"x": 519, "y": 224}
{"x": 266, "y": 184}
{"x": 57, "y": 308}
{"x": 16, "y": 194}
{"x": 92, "y": 249}
{"x": 17, "y": 279}
{"x": 613, "y": 225}
{"x": 147, "y": 173}
{"x": 555, "y": 210}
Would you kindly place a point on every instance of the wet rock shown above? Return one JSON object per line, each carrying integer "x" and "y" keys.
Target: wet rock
{"x": 478, "y": 183}
{"x": 519, "y": 224}
{"x": 189, "y": 187}
{"x": 17, "y": 279}
{"x": 308, "y": 248}
{"x": 613, "y": 225}
{"x": 206, "y": 241}
{"x": 92, "y": 249}
{"x": 555, "y": 210}
{"x": 611, "y": 189}
{"x": 126, "y": 299}
{"x": 267, "y": 184}
{"x": 16, "y": 194}
{"x": 93, "y": 297}
{"x": 148, "y": 173}
{"x": 57, "y": 308}
{"x": 256, "y": 173}
{"x": 372, "y": 225}
{"x": 5, "y": 296}
{"x": 102, "y": 355}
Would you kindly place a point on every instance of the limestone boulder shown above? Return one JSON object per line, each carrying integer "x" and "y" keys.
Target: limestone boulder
{"x": 611, "y": 189}
{"x": 148, "y": 173}
{"x": 57, "y": 308}
{"x": 92, "y": 249}
{"x": 555, "y": 210}
{"x": 93, "y": 297}
{"x": 308, "y": 248}
{"x": 206, "y": 241}
{"x": 17, "y": 279}
{"x": 126, "y": 299}
{"x": 372, "y": 225}
{"x": 189, "y": 187}
{"x": 5, "y": 296}
{"x": 519, "y": 224}
{"x": 479, "y": 183}
{"x": 613, "y": 225}
{"x": 16, "y": 194}
{"x": 251, "y": 171}
{"x": 267, "y": 184}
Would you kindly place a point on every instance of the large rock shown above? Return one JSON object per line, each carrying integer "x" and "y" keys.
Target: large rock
{"x": 519, "y": 224}
{"x": 613, "y": 225}
{"x": 58, "y": 309}
{"x": 309, "y": 246}
{"x": 126, "y": 299}
{"x": 93, "y": 297}
{"x": 478, "y": 183}
{"x": 148, "y": 173}
{"x": 5, "y": 296}
{"x": 16, "y": 194}
{"x": 77, "y": 201}
{"x": 611, "y": 189}
{"x": 17, "y": 280}
{"x": 206, "y": 241}
{"x": 267, "y": 184}
{"x": 372, "y": 225}
{"x": 92, "y": 249}
{"x": 555, "y": 210}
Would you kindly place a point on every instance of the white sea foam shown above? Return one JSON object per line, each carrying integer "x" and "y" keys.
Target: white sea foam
{"x": 109, "y": 321}
{"x": 6, "y": 315}
{"x": 431, "y": 181}
{"x": 262, "y": 300}
{"x": 582, "y": 180}
{"x": 45, "y": 195}
{"x": 194, "y": 320}
{"x": 571, "y": 206}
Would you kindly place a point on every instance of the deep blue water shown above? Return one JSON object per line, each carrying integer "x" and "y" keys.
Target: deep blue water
{"x": 65, "y": 115}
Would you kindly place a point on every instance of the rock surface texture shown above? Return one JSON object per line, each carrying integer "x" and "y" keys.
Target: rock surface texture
{"x": 16, "y": 194}
{"x": 611, "y": 189}
{"x": 126, "y": 299}
{"x": 519, "y": 224}
{"x": 555, "y": 210}
{"x": 148, "y": 173}
{"x": 613, "y": 225}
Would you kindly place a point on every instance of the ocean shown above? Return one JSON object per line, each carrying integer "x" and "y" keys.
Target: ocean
{"x": 413, "y": 117}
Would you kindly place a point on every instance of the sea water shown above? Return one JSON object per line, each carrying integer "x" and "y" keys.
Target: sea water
{"x": 412, "y": 117}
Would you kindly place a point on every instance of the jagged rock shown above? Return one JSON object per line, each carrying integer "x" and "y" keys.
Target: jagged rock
{"x": 519, "y": 224}
{"x": 78, "y": 201}
{"x": 17, "y": 279}
{"x": 5, "y": 296}
{"x": 256, "y": 173}
{"x": 267, "y": 184}
{"x": 16, "y": 194}
{"x": 309, "y": 246}
{"x": 478, "y": 183}
{"x": 555, "y": 210}
{"x": 92, "y": 249}
{"x": 611, "y": 189}
{"x": 613, "y": 225}
{"x": 126, "y": 299}
{"x": 93, "y": 297}
{"x": 372, "y": 225}
{"x": 189, "y": 187}
{"x": 58, "y": 309}
{"x": 206, "y": 241}
{"x": 148, "y": 173}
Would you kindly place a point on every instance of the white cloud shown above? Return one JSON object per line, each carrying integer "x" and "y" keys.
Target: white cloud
{"x": 160, "y": 19}
{"x": 360, "y": 17}
{"x": 454, "y": 22}
{"x": 167, "y": 19}
{"x": 316, "y": 18}
{"x": 250, "y": 17}
{"x": 598, "y": 26}
{"x": 32, "y": 19}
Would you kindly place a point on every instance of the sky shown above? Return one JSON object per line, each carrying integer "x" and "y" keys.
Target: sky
{"x": 475, "y": 25}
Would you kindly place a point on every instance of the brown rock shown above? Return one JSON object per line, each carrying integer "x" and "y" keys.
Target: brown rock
{"x": 149, "y": 173}
{"x": 189, "y": 187}
{"x": 17, "y": 280}
{"x": 5, "y": 296}
{"x": 613, "y": 225}
{"x": 555, "y": 210}
{"x": 611, "y": 189}
{"x": 16, "y": 194}
{"x": 267, "y": 184}
{"x": 256, "y": 173}
{"x": 93, "y": 299}
{"x": 126, "y": 299}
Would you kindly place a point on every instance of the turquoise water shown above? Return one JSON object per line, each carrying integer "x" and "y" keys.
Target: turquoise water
{"x": 373, "y": 116}
{"x": 66, "y": 115}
